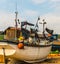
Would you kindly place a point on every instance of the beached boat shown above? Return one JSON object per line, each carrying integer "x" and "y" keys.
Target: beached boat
{"x": 34, "y": 50}
{"x": 30, "y": 53}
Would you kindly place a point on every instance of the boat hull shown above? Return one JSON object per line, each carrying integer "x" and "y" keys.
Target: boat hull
{"x": 32, "y": 54}
{"x": 29, "y": 54}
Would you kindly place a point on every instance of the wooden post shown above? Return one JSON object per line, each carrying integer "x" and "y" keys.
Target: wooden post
{"x": 4, "y": 56}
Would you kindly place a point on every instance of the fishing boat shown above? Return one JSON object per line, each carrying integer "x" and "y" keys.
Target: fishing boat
{"x": 33, "y": 49}
{"x": 30, "y": 53}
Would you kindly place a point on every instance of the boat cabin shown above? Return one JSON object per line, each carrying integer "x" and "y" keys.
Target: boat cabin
{"x": 9, "y": 33}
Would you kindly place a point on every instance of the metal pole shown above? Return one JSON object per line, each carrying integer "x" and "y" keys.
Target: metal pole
{"x": 4, "y": 55}
{"x": 16, "y": 23}
{"x": 43, "y": 26}
{"x": 16, "y": 26}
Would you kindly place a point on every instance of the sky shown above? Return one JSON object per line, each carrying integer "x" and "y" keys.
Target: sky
{"x": 30, "y": 10}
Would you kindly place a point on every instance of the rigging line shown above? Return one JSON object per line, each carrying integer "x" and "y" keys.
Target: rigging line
{"x": 16, "y": 5}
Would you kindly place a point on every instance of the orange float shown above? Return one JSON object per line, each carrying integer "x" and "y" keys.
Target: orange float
{"x": 49, "y": 35}
{"x": 20, "y": 45}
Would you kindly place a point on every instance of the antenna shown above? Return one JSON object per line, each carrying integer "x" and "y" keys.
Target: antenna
{"x": 16, "y": 5}
{"x": 16, "y": 13}
{"x": 16, "y": 25}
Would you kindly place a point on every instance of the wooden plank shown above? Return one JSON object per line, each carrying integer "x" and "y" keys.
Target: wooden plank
{"x": 1, "y": 58}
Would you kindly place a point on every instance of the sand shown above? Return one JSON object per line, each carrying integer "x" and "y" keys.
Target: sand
{"x": 51, "y": 59}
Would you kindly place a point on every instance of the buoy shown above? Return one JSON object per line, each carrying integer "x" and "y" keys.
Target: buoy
{"x": 49, "y": 35}
{"x": 21, "y": 39}
{"x": 20, "y": 45}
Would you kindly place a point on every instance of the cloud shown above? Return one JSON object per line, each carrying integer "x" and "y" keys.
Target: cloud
{"x": 6, "y": 19}
{"x": 55, "y": 6}
{"x": 2, "y": 1}
{"x": 38, "y": 1}
{"x": 42, "y": 1}
{"x": 31, "y": 13}
{"x": 55, "y": 0}
{"x": 53, "y": 21}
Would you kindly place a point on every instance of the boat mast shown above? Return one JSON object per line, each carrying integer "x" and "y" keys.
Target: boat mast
{"x": 43, "y": 23}
{"x": 16, "y": 25}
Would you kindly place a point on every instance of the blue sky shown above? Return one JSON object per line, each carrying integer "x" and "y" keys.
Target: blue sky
{"x": 30, "y": 10}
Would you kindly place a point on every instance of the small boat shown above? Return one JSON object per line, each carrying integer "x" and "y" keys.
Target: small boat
{"x": 31, "y": 52}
